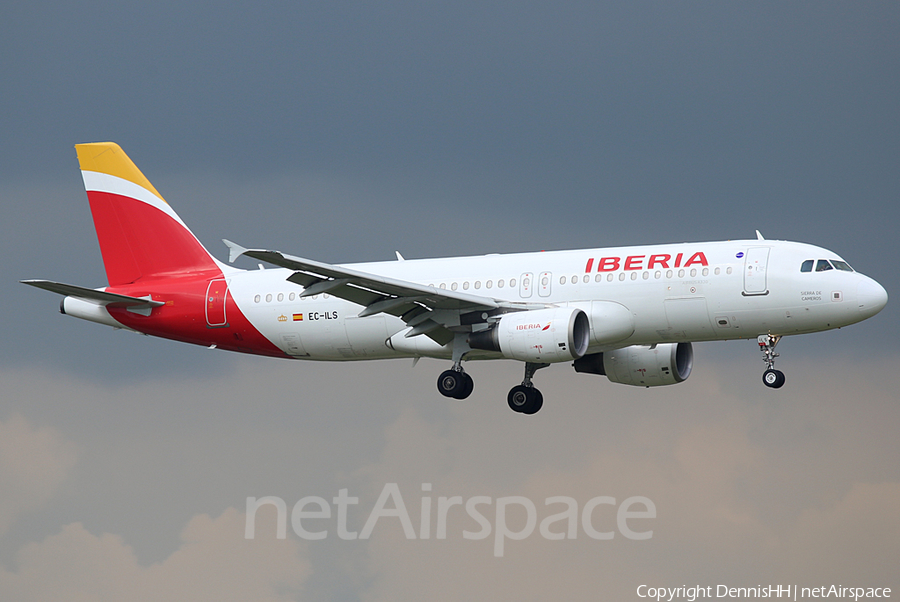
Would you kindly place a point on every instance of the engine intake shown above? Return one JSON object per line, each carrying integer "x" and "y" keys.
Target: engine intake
{"x": 664, "y": 364}
{"x": 558, "y": 334}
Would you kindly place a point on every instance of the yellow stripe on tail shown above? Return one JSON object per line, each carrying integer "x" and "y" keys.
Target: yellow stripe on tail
{"x": 109, "y": 158}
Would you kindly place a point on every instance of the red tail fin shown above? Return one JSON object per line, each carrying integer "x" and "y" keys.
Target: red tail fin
{"x": 140, "y": 235}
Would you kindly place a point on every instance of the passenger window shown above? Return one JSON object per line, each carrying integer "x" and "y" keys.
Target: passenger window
{"x": 823, "y": 266}
{"x": 807, "y": 266}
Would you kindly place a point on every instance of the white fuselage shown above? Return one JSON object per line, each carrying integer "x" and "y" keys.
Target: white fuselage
{"x": 671, "y": 293}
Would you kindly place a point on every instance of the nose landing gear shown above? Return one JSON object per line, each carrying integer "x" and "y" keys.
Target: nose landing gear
{"x": 771, "y": 377}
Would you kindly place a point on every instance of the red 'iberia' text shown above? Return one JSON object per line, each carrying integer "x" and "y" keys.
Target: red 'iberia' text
{"x": 642, "y": 262}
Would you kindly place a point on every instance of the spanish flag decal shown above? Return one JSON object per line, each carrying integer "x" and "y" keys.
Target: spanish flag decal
{"x": 298, "y": 317}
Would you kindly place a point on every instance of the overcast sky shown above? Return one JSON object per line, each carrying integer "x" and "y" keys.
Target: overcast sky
{"x": 344, "y": 132}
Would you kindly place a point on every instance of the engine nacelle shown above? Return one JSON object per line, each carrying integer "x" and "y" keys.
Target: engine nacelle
{"x": 664, "y": 364}
{"x": 557, "y": 334}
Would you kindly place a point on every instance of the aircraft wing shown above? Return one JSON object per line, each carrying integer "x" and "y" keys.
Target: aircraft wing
{"x": 427, "y": 310}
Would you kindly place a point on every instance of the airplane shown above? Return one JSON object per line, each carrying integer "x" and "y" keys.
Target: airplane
{"x": 628, "y": 313}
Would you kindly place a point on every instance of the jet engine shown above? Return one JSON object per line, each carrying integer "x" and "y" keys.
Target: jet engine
{"x": 557, "y": 334}
{"x": 664, "y": 364}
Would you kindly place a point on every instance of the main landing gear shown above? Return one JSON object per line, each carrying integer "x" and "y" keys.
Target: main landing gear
{"x": 526, "y": 398}
{"x": 771, "y": 377}
{"x": 455, "y": 383}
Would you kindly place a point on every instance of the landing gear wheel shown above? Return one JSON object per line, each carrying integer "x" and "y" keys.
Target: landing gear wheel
{"x": 773, "y": 378}
{"x": 468, "y": 387}
{"x": 451, "y": 383}
{"x": 525, "y": 400}
{"x": 517, "y": 398}
{"x": 455, "y": 384}
{"x": 536, "y": 403}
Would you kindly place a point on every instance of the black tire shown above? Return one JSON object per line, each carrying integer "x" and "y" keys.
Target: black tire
{"x": 467, "y": 387}
{"x": 517, "y": 398}
{"x": 537, "y": 402}
{"x": 450, "y": 383}
{"x": 525, "y": 400}
{"x": 773, "y": 378}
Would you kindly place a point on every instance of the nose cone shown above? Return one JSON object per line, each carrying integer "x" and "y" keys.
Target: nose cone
{"x": 871, "y": 296}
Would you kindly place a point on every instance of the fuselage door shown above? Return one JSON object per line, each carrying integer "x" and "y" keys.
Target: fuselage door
{"x": 545, "y": 281}
{"x": 755, "y": 266}
{"x": 526, "y": 285}
{"x": 293, "y": 345}
{"x": 215, "y": 303}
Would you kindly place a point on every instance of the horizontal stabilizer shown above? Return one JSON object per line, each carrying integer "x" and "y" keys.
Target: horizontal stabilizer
{"x": 99, "y": 297}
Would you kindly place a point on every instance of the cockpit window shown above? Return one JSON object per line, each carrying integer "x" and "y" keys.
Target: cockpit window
{"x": 807, "y": 266}
{"x": 841, "y": 265}
{"x": 823, "y": 266}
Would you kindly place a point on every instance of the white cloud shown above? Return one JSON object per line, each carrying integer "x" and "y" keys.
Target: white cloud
{"x": 214, "y": 562}
{"x": 748, "y": 485}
